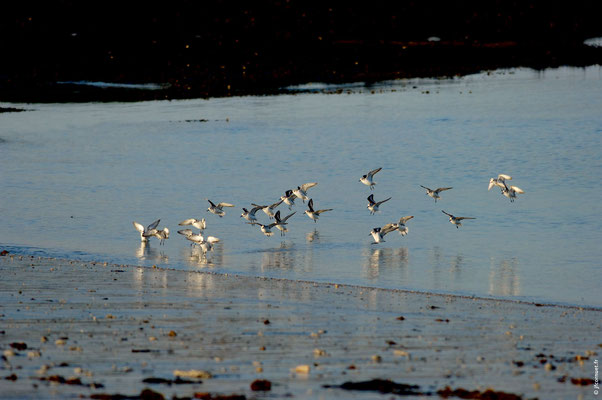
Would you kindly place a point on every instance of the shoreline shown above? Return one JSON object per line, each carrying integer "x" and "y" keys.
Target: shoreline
{"x": 117, "y": 329}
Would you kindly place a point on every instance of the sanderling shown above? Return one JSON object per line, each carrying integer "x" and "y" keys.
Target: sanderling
{"x": 435, "y": 193}
{"x": 288, "y": 199}
{"x": 200, "y": 224}
{"x": 266, "y": 229}
{"x": 499, "y": 181}
{"x": 301, "y": 191}
{"x": 147, "y": 232}
{"x": 269, "y": 210}
{"x": 456, "y": 220}
{"x": 250, "y": 215}
{"x": 368, "y": 179}
{"x": 281, "y": 222}
{"x": 373, "y": 205}
{"x": 378, "y": 234}
{"x": 401, "y": 225}
{"x": 161, "y": 234}
{"x": 311, "y": 213}
{"x": 217, "y": 209}
{"x": 510, "y": 192}
{"x": 198, "y": 239}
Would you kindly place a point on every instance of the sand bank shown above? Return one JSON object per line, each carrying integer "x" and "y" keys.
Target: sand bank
{"x": 70, "y": 329}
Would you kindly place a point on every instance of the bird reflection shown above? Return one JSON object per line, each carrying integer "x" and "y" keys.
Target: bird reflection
{"x": 196, "y": 258}
{"x": 312, "y": 236}
{"x": 504, "y": 279}
{"x": 282, "y": 257}
{"x": 377, "y": 258}
{"x": 146, "y": 252}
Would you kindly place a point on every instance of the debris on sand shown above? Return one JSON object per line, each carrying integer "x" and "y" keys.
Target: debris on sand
{"x": 177, "y": 381}
{"x": 381, "y": 386}
{"x": 146, "y": 394}
{"x": 488, "y": 394}
{"x": 261, "y": 385}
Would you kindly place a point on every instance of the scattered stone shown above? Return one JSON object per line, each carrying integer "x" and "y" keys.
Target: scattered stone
{"x": 488, "y": 394}
{"x": 261, "y": 385}
{"x": 400, "y": 318}
{"x": 302, "y": 369}
{"x": 193, "y": 373}
{"x": 146, "y": 394}
{"x": 177, "y": 381}
{"x": 381, "y": 386}
{"x": 172, "y": 334}
{"x": 209, "y": 396}
{"x": 582, "y": 381}
{"x": 18, "y": 345}
{"x": 11, "y": 377}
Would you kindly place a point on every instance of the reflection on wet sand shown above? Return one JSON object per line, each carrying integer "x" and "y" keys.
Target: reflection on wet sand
{"x": 196, "y": 258}
{"x": 147, "y": 253}
{"x": 504, "y": 279}
{"x": 439, "y": 262}
{"x": 377, "y": 258}
{"x": 281, "y": 258}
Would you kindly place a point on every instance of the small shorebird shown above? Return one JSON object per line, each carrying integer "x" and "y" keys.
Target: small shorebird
{"x": 311, "y": 213}
{"x": 217, "y": 209}
{"x": 401, "y": 225}
{"x": 266, "y": 229}
{"x": 198, "y": 239}
{"x": 368, "y": 179}
{"x": 510, "y": 192}
{"x": 456, "y": 220}
{"x": 269, "y": 210}
{"x": 373, "y": 205}
{"x": 199, "y": 224}
{"x": 161, "y": 234}
{"x": 378, "y": 234}
{"x": 147, "y": 232}
{"x": 435, "y": 193}
{"x": 499, "y": 181}
{"x": 281, "y": 222}
{"x": 288, "y": 199}
{"x": 250, "y": 215}
{"x": 301, "y": 191}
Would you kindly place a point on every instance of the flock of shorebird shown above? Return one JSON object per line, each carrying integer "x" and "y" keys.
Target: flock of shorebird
{"x": 289, "y": 197}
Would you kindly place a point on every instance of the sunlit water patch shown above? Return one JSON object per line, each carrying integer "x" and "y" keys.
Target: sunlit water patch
{"x": 75, "y": 176}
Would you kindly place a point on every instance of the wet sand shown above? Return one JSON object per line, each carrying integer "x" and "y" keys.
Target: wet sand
{"x": 70, "y": 329}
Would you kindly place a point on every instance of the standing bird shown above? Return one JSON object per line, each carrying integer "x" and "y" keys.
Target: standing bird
{"x": 217, "y": 209}
{"x": 199, "y": 224}
{"x": 401, "y": 225}
{"x": 435, "y": 193}
{"x": 368, "y": 179}
{"x": 378, "y": 234}
{"x": 373, "y": 205}
{"x": 301, "y": 191}
{"x": 510, "y": 192}
{"x": 250, "y": 215}
{"x": 147, "y": 232}
{"x": 161, "y": 234}
{"x": 311, "y": 213}
{"x": 288, "y": 199}
{"x": 280, "y": 223}
{"x": 456, "y": 220}
{"x": 499, "y": 181}
{"x": 269, "y": 210}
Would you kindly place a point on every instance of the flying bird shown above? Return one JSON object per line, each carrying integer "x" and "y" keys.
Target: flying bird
{"x": 368, "y": 179}
{"x": 301, "y": 191}
{"x": 511, "y": 192}
{"x": 289, "y": 199}
{"x": 373, "y": 205}
{"x": 280, "y": 223}
{"x": 265, "y": 229}
{"x": 401, "y": 225}
{"x": 199, "y": 224}
{"x": 435, "y": 193}
{"x": 500, "y": 181}
{"x": 378, "y": 234}
{"x": 250, "y": 215}
{"x": 269, "y": 210}
{"x": 311, "y": 213}
{"x": 456, "y": 220}
{"x": 147, "y": 232}
{"x": 218, "y": 209}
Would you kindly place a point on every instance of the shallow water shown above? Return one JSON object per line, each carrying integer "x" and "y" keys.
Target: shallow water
{"x": 75, "y": 176}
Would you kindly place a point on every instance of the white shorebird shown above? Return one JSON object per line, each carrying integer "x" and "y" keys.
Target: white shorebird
{"x": 500, "y": 181}
{"x": 511, "y": 192}
{"x": 250, "y": 215}
{"x": 373, "y": 205}
{"x": 200, "y": 224}
{"x": 280, "y": 223}
{"x": 301, "y": 191}
{"x": 217, "y": 209}
{"x": 456, "y": 220}
{"x": 265, "y": 229}
{"x": 378, "y": 234}
{"x": 147, "y": 232}
{"x": 289, "y": 199}
{"x": 435, "y": 193}
{"x": 401, "y": 225}
{"x": 311, "y": 213}
{"x": 269, "y": 210}
{"x": 161, "y": 234}
{"x": 198, "y": 239}
{"x": 368, "y": 179}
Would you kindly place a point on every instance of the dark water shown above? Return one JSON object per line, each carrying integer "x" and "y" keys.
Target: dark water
{"x": 75, "y": 176}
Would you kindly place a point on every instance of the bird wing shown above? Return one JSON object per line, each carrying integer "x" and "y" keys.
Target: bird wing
{"x": 150, "y": 233}
{"x": 185, "y": 232}
{"x": 257, "y": 207}
{"x": 492, "y": 183}
{"x": 321, "y": 211}
{"x": 288, "y": 216}
{"x": 188, "y": 221}
{"x": 153, "y": 225}
{"x": 382, "y": 201}
{"x": 277, "y": 216}
{"x": 442, "y": 189}
{"x": 212, "y": 239}
{"x": 310, "y": 205}
{"x": 139, "y": 227}
{"x": 374, "y": 171}
{"x": 306, "y": 186}
{"x": 220, "y": 205}
{"x": 289, "y": 194}
{"x": 276, "y": 204}
{"x": 446, "y": 213}
{"x": 273, "y": 224}
{"x": 405, "y": 219}
{"x": 371, "y": 199}
{"x": 517, "y": 189}
{"x": 461, "y": 218}
{"x": 388, "y": 228}
{"x": 504, "y": 176}
{"x": 425, "y": 188}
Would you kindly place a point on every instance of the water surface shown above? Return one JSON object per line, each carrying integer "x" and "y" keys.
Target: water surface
{"x": 75, "y": 176}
